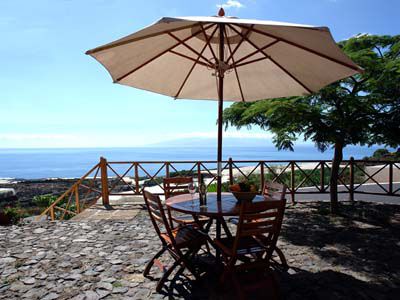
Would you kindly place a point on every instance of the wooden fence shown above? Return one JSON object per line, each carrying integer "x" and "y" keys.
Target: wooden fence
{"x": 128, "y": 178}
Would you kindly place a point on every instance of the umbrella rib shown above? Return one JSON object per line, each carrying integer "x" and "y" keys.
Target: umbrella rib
{"x": 257, "y": 51}
{"x": 356, "y": 68}
{"x": 158, "y": 55}
{"x": 195, "y": 63}
{"x": 233, "y": 61}
{"x": 282, "y": 68}
{"x": 189, "y": 47}
{"x": 121, "y": 43}
{"x": 208, "y": 43}
{"x": 190, "y": 58}
{"x": 251, "y": 61}
{"x": 238, "y": 45}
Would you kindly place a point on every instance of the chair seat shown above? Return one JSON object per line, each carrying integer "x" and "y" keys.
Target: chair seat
{"x": 247, "y": 245}
{"x": 188, "y": 219}
{"x": 185, "y": 237}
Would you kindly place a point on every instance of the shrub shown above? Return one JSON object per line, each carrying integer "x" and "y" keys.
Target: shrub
{"x": 13, "y": 214}
{"x": 44, "y": 200}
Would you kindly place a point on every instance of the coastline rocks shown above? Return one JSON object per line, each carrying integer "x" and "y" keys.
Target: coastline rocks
{"x": 8, "y": 196}
{"x": 25, "y": 190}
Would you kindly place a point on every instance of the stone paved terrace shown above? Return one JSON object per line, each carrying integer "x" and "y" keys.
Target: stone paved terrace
{"x": 353, "y": 256}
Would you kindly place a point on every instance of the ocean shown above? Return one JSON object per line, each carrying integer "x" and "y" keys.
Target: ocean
{"x": 75, "y": 162}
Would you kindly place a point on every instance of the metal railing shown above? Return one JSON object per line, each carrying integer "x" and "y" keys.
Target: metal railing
{"x": 128, "y": 178}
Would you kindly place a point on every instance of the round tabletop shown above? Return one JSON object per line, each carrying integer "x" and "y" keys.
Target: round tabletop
{"x": 228, "y": 205}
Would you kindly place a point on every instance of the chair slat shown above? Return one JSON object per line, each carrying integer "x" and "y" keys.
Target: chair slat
{"x": 157, "y": 217}
{"x": 274, "y": 190}
{"x": 258, "y": 224}
{"x": 174, "y": 186}
{"x": 261, "y": 216}
{"x": 256, "y": 230}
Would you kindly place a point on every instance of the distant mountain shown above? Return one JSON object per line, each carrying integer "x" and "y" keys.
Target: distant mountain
{"x": 211, "y": 142}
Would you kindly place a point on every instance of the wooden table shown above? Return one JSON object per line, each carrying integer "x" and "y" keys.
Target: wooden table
{"x": 227, "y": 207}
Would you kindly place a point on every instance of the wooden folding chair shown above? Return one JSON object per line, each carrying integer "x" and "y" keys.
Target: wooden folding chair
{"x": 250, "y": 250}
{"x": 183, "y": 243}
{"x": 174, "y": 186}
{"x": 276, "y": 191}
{"x": 272, "y": 191}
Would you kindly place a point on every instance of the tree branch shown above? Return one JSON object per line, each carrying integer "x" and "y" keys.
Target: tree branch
{"x": 379, "y": 51}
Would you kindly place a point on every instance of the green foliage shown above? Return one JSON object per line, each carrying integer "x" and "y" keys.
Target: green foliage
{"x": 380, "y": 153}
{"x": 212, "y": 188}
{"x": 384, "y": 155}
{"x": 44, "y": 201}
{"x": 13, "y": 214}
{"x": 361, "y": 109}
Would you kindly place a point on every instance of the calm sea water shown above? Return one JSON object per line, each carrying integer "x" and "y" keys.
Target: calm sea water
{"x": 46, "y": 163}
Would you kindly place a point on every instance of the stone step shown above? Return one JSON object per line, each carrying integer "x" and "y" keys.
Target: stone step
{"x": 121, "y": 208}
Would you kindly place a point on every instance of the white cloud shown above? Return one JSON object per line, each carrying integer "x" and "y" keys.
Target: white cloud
{"x": 358, "y": 35}
{"x": 28, "y": 136}
{"x": 230, "y": 4}
{"x": 81, "y": 140}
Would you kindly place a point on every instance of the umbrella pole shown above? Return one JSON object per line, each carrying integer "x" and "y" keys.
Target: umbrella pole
{"x": 220, "y": 109}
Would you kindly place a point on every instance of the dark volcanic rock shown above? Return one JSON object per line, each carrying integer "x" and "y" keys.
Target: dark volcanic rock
{"x": 27, "y": 189}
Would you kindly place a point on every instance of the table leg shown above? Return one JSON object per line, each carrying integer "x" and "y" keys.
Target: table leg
{"x": 226, "y": 229}
{"x": 218, "y": 235}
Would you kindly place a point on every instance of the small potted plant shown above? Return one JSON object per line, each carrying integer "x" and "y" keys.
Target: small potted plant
{"x": 9, "y": 215}
{"x": 244, "y": 191}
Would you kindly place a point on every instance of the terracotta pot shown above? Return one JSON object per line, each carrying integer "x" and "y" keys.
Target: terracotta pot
{"x": 5, "y": 219}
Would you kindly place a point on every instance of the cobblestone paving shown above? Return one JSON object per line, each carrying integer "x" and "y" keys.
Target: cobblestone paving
{"x": 352, "y": 256}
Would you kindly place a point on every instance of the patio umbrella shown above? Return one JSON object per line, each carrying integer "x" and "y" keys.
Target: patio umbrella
{"x": 225, "y": 59}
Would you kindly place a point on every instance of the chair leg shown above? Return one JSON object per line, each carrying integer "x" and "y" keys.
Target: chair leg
{"x": 165, "y": 276}
{"x": 276, "y": 287}
{"x": 151, "y": 262}
{"x": 171, "y": 222}
{"x": 239, "y": 290}
{"x": 281, "y": 257}
{"x": 188, "y": 265}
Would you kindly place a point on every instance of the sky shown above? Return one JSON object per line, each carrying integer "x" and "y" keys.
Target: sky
{"x": 53, "y": 95}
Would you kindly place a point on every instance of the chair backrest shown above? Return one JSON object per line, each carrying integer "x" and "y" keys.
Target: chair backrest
{"x": 176, "y": 186}
{"x": 274, "y": 190}
{"x": 157, "y": 215}
{"x": 262, "y": 220}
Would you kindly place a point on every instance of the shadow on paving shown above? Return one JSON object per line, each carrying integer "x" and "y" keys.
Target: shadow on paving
{"x": 358, "y": 252}
{"x": 323, "y": 285}
{"x": 364, "y": 238}
{"x": 330, "y": 284}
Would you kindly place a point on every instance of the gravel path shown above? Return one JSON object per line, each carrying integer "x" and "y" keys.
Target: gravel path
{"x": 352, "y": 256}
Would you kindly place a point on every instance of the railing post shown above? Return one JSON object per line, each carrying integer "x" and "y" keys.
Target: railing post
{"x": 137, "y": 188}
{"x": 292, "y": 182}
{"x": 390, "y": 178}
{"x": 262, "y": 178}
{"x": 322, "y": 183}
{"x": 77, "y": 204}
{"x": 52, "y": 213}
{"x": 104, "y": 182}
{"x": 198, "y": 173}
{"x": 230, "y": 163}
{"x": 167, "y": 169}
{"x": 351, "y": 190}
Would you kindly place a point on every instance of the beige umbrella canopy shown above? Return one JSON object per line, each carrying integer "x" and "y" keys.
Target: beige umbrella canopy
{"x": 226, "y": 59}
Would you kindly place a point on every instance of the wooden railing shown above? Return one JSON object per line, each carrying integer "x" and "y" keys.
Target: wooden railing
{"x": 129, "y": 178}
{"x": 79, "y": 196}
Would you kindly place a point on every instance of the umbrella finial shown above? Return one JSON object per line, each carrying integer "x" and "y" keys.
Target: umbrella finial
{"x": 221, "y": 12}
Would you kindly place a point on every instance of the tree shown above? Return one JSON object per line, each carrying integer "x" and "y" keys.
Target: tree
{"x": 362, "y": 109}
